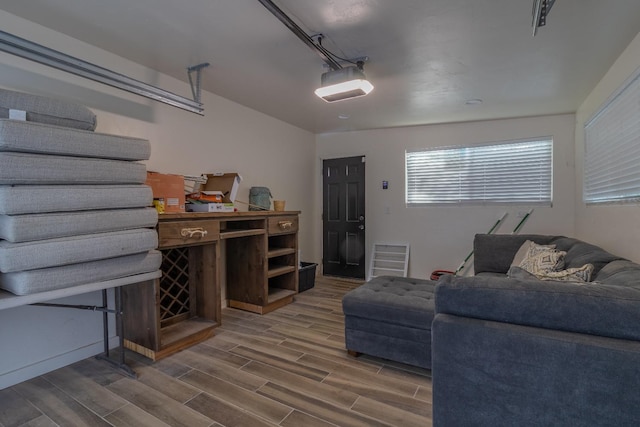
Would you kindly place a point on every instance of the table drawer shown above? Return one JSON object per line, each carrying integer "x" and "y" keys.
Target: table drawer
{"x": 185, "y": 233}
{"x": 283, "y": 224}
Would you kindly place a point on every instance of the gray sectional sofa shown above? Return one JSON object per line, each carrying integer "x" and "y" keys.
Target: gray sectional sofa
{"x": 506, "y": 348}
{"x": 527, "y": 352}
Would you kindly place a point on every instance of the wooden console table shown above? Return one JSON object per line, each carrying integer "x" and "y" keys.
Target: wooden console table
{"x": 184, "y": 306}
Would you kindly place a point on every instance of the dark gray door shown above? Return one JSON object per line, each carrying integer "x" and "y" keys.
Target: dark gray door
{"x": 343, "y": 217}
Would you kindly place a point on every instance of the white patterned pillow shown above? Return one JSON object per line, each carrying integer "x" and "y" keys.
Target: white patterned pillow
{"x": 576, "y": 274}
{"x": 524, "y": 251}
{"x": 540, "y": 260}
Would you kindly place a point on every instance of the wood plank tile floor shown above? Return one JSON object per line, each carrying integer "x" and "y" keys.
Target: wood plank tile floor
{"x": 287, "y": 368}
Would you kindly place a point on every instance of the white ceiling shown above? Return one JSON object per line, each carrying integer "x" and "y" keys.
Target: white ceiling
{"x": 427, "y": 57}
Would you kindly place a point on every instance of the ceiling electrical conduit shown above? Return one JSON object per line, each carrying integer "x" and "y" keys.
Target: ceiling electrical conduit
{"x": 52, "y": 58}
{"x": 295, "y": 29}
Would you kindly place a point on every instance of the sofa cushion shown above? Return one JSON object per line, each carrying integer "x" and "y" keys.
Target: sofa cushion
{"x": 394, "y": 300}
{"x": 599, "y": 309}
{"x": 580, "y": 253}
{"x": 47, "y": 110}
{"x": 494, "y": 253}
{"x": 620, "y": 273}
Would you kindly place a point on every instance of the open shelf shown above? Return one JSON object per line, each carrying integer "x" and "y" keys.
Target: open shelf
{"x": 280, "y": 270}
{"x": 232, "y": 234}
{"x": 276, "y": 252}
{"x": 276, "y": 294}
{"x": 183, "y": 330}
{"x": 176, "y": 337}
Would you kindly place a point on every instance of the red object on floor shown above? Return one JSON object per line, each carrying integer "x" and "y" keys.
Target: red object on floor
{"x": 435, "y": 275}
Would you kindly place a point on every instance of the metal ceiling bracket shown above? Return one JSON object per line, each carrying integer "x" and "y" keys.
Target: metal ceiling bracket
{"x": 52, "y": 58}
{"x": 541, "y": 9}
{"x": 196, "y": 87}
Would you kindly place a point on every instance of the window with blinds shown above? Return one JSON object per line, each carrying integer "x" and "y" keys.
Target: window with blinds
{"x": 518, "y": 172}
{"x": 612, "y": 149}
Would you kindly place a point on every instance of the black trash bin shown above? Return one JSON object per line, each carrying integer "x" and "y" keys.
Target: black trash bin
{"x": 307, "y": 276}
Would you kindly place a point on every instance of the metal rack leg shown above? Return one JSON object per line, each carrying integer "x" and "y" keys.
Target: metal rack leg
{"x": 120, "y": 363}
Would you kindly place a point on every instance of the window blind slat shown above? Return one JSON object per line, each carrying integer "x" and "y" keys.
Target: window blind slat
{"x": 510, "y": 172}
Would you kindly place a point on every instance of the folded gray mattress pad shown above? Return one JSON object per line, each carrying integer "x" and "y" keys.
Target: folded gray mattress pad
{"x": 75, "y": 249}
{"x": 61, "y": 277}
{"x": 40, "y": 226}
{"x": 43, "y": 109}
{"x": 37, "y": 138}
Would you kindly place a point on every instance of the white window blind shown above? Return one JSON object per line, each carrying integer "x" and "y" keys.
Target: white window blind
{"x": 612, "y": 149}
{"x": 510, "y": 172}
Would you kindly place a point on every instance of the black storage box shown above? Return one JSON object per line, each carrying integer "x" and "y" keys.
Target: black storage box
{"x": 307, "y": 276}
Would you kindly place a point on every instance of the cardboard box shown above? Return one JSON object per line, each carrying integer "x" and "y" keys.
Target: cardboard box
{"x": 210, "y": 207}
{"x": 167, "y": 187}
{"x": 227, "y": 183}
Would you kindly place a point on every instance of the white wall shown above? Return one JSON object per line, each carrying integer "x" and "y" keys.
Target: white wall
{"x": 614, "y": 227}
{"x": 441, "y": 237}
{"x": 229, "y": 138}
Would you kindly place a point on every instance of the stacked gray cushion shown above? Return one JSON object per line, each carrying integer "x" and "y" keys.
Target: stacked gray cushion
{"x": 38, "y": 138}
{"x": 73, "y": 209}
{"x": 23, "y": 199}
{"x": 49, "y": 279}
{"x": 74, "y": 249}
{"x": 25, "y": 168}
{"x": 29, "y": 227}
{"x": 47, "y": 110}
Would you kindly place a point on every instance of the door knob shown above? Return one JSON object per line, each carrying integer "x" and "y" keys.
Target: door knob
{"x": 361, "y": 227}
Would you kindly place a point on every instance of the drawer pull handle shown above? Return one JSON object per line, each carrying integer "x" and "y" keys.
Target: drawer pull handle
{"x": 285, "y": 225}
{"x": 191, "y": 232}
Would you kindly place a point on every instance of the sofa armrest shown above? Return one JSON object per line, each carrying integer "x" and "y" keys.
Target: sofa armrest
{"x": 592, "y": 308}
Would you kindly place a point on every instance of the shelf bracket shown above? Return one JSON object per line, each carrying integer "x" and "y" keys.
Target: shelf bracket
{"x": 196, "y": 86}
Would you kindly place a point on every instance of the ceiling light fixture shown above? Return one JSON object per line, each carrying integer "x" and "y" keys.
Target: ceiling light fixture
{"x": 344, "y": 83}
{"x": 541, "y": 9}
{"x": 341, "y": 82}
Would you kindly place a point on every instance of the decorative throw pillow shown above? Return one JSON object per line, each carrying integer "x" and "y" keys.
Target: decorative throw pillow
{"x": 541, "y": 260}
{"x": 577, "y": 274}
{"x": 524, "y": 250}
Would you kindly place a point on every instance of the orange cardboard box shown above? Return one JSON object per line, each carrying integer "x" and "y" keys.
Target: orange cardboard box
{"x": 168, "y": 187}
